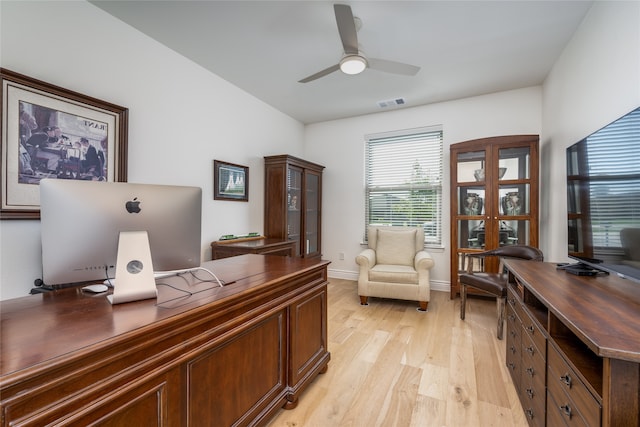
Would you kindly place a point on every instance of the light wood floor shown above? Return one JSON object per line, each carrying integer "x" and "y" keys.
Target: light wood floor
{"x": 394, "y": 366}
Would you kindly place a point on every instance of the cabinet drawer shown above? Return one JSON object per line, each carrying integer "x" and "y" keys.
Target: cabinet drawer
{"x": 533, "y": 368}
{"x": 531, "y": 329}
{"x": 558, "y": 417}
{"x": 532, "y": 384}
{"x": 514, "y": 345}
{"x": 533, "y": 404}
{"x": 569, "y": 392}
{"x": 515, "y": 302}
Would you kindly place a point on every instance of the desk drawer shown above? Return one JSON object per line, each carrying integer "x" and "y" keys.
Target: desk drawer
{"x": 558, "y": 417}
{"x": 573, "y": 399}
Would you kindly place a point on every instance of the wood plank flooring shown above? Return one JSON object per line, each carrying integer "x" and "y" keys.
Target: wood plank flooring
{"x": 392, "y": 365}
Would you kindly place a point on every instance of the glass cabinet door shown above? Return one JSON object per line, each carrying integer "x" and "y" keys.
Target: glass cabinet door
{"x": 312, "y": 213}
{"x": 294, "y": 204}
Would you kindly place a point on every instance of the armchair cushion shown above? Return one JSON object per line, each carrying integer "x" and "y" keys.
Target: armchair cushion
{"x": 393, "y": 274}
{"x": 396, "y": 247}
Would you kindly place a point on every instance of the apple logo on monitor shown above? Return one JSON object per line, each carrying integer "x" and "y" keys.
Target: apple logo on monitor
{"x": 133, "y": 206}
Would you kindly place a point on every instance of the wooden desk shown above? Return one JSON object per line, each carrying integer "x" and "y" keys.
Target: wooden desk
{"x": 576, "y": 338}
{"x": 217, "y": 356}
{"x": 263, "y": 246}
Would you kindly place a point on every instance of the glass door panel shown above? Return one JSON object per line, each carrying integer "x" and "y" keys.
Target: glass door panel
{"x": 514, "y": 163}
{"x": 471, "y": 234}
{"x": 513, "y": 200}
{"x": 471, "y": 200}
{"x": 312, "y": 223}
{"x": 471, "y": 166}
{"x": 514, "y": 232}
{"x": 294, "y": 204}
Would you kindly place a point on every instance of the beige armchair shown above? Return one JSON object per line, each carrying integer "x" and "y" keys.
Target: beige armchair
{"x": 395, "y": 265}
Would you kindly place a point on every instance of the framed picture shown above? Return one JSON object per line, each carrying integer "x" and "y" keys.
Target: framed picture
{"x": 51, "y": 132}
{"x": 230, "y": 182}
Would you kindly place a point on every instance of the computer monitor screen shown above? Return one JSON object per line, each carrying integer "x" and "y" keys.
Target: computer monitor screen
{"x": 81, "y": 223}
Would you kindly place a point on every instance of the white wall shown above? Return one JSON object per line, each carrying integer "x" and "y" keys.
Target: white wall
{"x": 181, "y": 117}
{"x": 339, "y": 145}
{"x": 595, "y": 81}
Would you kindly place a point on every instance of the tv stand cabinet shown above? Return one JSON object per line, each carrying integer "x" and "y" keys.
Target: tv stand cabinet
{"x": 573, "y": 346}
{"x": 224, "y": 356}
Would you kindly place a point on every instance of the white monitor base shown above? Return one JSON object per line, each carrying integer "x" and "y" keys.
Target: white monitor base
{"x": 134, "y": 269}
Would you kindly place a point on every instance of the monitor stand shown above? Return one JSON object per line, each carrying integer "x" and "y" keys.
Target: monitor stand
{"x": 134, "y": 278}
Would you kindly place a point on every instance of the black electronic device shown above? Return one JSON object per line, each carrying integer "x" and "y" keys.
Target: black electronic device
{"x": 603, "y": 200}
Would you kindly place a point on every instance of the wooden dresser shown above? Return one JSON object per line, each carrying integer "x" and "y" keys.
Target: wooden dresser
{"x": 573, "y": 346}
{"x": 198, "y": 355}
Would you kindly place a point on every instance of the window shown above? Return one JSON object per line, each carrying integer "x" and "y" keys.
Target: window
{"x": 403, "y": 180}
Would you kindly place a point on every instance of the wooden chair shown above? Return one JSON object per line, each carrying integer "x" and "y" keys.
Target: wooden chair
{"x": 493, "y": 283}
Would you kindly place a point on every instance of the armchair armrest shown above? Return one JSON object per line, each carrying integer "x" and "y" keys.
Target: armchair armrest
{"x": 366, "y": 259}
{"x": 423, "y": 261}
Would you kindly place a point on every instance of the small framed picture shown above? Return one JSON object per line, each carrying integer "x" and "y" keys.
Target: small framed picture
{"x": 230, "y": 181}
{"x": 55, "y": 133}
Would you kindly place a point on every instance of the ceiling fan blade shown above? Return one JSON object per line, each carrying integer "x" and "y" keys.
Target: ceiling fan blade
{"x": 346, "y": 28}
{"x": 320, "y": 74}
{"x": 393, "y": 67}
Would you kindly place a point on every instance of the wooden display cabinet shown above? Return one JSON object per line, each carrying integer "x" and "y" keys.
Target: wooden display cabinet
{"x": 494, "y": 198}
{"x": 293, "y": 202}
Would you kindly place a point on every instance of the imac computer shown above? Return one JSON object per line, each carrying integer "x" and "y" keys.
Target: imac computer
{"x": 125, "y": 232}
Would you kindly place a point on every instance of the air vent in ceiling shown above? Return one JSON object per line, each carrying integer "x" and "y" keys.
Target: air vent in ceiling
{"x": 396, "y": 102}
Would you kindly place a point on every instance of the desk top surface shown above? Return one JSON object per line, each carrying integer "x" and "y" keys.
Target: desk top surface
{"x": 37, "y": 328}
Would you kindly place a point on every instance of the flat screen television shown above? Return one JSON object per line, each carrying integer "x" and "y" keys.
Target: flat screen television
{"x": 83, "y": 224}
{"x": 603, "y": 199}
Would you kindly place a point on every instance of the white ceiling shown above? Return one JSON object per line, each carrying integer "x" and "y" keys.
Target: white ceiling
{"x": 464, "y": 48}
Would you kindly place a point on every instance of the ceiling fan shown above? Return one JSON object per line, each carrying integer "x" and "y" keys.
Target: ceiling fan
{"x": 353, "y": 61}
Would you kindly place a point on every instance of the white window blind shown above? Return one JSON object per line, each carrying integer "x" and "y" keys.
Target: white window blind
{"x": 613, "y": 155}
{"x": 403, "y": 180}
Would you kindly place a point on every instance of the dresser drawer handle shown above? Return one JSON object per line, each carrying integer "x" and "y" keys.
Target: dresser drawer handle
{"x": 513, "y": 349}
{"x": 530, "y": 371}
{"x": 511, "y": 366}
{"x": 512, "y": 317}
{"x": 530, "y": 393}
{"x": 529, "y": 413}
{"x": 530, "y": 350}
{"x": 566, "y": 410}
{"x": 513, "y": 333}
{"x": 566, "y": 380}
{"x": 512, "y": 301}
{"x": 530, "y": 329}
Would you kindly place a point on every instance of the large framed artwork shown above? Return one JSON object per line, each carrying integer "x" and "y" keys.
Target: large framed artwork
{"x": 51, "y": 132}
{"x": 230, "y": 182}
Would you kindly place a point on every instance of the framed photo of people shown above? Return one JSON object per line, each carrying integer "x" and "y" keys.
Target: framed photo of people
{"x": 230, "y": 181}
{"x": 51, "y": 132}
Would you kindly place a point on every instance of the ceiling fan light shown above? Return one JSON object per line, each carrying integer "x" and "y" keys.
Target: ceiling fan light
{"x": 353, "y": 64}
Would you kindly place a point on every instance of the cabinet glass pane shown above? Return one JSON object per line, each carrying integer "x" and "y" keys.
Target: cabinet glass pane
{"x": 514, "y": 163}
{"x": 311, "y": 209}
{"x": 471, "y": 166}
{"x": 514, "y": 232}
{"x": 513, "y": 200}
{"x": 471, "y": 200}
{"x": 471, "y": 234}
{"x": 294, "y": 203}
